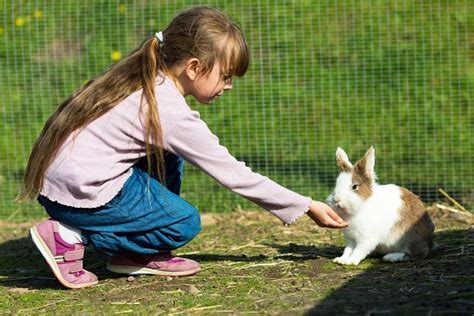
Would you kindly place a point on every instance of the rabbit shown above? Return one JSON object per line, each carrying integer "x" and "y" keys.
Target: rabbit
{"x": 385, "y": 219}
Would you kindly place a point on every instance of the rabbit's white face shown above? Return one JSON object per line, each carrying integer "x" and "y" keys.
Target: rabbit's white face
{"x": 346, "y": 197}
{"x": 354, "y": 183}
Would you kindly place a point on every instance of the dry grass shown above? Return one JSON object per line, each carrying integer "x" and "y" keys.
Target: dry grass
{"x": 252, "y": 264}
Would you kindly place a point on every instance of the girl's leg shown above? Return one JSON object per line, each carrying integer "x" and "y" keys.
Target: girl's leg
{"x": 144, "y": 218}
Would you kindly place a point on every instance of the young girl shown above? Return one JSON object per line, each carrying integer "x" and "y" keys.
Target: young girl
{"x": 107, "y": 166}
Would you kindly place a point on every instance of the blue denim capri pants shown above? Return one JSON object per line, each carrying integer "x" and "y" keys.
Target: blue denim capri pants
{"x": 145, "y": 217}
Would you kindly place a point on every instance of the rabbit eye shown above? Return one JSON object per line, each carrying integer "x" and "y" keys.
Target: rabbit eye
{"x": 355, "y": 187}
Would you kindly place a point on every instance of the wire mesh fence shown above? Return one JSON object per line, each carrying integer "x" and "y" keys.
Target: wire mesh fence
{"x": 395, "y": 74}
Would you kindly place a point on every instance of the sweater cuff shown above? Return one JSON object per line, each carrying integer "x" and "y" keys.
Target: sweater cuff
{"x": 290, "y": 215}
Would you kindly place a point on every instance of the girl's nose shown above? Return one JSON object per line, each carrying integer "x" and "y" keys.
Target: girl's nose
{"x": 228, "y": 85}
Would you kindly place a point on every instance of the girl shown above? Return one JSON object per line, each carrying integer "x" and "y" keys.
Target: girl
{"x": 107, "y": 166}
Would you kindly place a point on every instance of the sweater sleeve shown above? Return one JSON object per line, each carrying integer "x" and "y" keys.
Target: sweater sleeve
{"x": 189, "y": 137}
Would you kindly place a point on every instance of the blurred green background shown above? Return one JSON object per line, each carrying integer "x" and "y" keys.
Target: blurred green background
{"x": 395, "y": 74}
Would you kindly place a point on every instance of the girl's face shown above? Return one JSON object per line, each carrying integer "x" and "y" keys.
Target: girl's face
{"x": 208, "y": 87}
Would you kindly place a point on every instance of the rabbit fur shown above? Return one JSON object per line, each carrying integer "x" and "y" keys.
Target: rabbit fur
{"x": 385, "y": 219}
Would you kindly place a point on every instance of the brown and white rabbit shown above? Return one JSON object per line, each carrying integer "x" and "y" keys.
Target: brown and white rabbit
{"x": 386, "y": 219}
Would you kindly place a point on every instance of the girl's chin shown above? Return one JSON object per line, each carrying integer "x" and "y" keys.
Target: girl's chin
{"x": 208, "y": 100}
{"x": 205, "y": 101}
{"x": 211, "y": 100}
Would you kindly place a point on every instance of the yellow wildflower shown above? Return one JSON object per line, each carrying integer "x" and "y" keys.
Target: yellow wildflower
{"x": 20, "y": 21}
{"x": 1, "y": 30}
{"x": 121, "y": 8}
{"x": 38, "y": 14}
{"x": 116, "y": 55}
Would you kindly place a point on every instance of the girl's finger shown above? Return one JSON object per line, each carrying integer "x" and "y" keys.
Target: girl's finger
{"x": 335, "y": 221}
{"x": 334, "y": 216}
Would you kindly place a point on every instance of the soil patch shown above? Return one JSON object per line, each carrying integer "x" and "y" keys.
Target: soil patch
{"x": 253, "y": 264}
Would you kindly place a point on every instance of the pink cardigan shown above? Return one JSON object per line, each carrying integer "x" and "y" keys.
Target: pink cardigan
{"x": 91, "y": 168}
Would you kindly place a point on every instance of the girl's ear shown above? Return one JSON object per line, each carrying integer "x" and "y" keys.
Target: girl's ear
{"x": 192, "y": 68}
{"x": 342, "y": 160}
{"x": 367, "y": 163}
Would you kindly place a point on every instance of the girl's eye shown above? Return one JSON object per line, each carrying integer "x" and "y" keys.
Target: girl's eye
{"x": 227, "y": 79}
{"x": 355, "y": 187}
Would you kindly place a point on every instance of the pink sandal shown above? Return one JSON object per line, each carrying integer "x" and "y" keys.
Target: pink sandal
{"x": 64, "y": 259}
{"x": 160, "y": 264}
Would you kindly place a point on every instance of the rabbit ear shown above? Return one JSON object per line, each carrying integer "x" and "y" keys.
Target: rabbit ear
{"x": 367, "y": 163}
{"x": 342, "y": 160}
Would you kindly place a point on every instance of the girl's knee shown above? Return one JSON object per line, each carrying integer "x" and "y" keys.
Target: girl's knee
{"x": 191, "y": 226}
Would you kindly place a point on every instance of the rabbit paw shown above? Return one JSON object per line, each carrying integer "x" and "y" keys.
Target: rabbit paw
{"x": 338, "y": 260}
{"x": 346, "y": 261}
{"x": 396, "y": 257}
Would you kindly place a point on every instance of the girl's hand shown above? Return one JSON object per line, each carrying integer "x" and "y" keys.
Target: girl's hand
{"x": 324, "y": 216}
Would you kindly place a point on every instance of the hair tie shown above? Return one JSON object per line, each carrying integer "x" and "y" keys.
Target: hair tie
{"x": 159, "y": 36}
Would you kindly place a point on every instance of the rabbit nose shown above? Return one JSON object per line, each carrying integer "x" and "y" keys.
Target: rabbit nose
{"x": 338, "y": 201}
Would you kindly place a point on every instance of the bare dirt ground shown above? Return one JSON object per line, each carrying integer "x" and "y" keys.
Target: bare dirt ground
{"x": 253, "y": 264}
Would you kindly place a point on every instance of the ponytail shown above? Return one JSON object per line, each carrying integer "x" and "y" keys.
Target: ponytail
{"x": 153, "y": 132}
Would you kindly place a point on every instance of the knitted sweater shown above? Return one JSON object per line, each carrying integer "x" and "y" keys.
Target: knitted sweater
{"x": 95, "y": 161}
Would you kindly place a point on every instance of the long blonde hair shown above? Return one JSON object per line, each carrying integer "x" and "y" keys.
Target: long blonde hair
{"x": 197, "y": 32}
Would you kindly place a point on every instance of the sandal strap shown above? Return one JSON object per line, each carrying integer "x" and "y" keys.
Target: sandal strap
{"x": 68, "y": 256}
{"x": 76, "y": 266}
{"x": 74, "y": 255}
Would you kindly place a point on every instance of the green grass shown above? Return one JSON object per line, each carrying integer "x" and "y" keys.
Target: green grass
{"x": 393, "y": 74}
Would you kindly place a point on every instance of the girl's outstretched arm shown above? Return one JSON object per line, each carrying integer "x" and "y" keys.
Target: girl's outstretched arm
{"x": 324, "y": 216}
